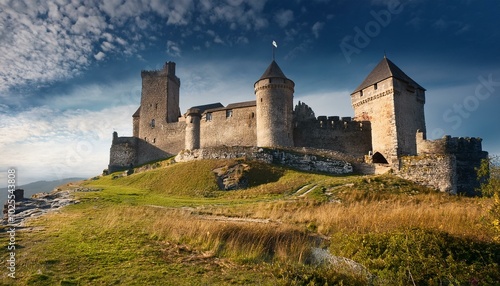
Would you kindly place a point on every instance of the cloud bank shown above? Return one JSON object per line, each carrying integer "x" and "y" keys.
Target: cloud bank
{"x": 47, "y": 41}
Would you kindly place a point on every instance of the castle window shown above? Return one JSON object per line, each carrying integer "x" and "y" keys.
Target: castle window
{"x": 229, "y": 113}
{"x": 209, "y": 116}
{"x": 154, "y": 140}
{"x": 360, "y": 93}
{"x": 156, "y": 105}
{"x": 375, "y": 86}
{"x": 253, "y": 115}
{"x": 152, "y": 123}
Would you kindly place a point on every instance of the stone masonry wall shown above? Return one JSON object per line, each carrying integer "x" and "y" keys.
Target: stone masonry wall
{"x": 300, "y": 161}
{"x": 229, "y": 127}
{"x": 274, "y": 112}
{"x": 436, "y": 171}
{"x": 147, "y": 152}
{"x": 334, "y": 133}
{"x": 171, "y": 137}
{"x": 409, "y": 111}
{"x": 377, "y": 106}
{"x": 122, "y": 153}
{"x": 467, "y": 154}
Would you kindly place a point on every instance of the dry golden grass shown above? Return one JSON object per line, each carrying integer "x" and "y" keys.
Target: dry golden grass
{"x": 458, "y": 216}
{"x": 238, "y": 240}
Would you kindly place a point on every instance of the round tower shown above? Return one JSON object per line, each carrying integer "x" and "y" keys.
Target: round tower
{"x": 192, "y": 138}
{"x": 274, "y": 94}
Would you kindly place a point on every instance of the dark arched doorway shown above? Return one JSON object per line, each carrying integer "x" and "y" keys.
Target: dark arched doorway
{"x": 379, "y": 158}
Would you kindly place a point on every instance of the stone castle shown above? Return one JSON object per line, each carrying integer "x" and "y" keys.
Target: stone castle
{"x": 388, "y": 128}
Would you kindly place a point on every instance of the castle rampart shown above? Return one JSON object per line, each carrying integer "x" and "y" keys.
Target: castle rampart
{"x": 334, "y": 133}
{"x": 234, "y": 125}
{"x": 123, "y": 152}
{"x": 448, "y": 164}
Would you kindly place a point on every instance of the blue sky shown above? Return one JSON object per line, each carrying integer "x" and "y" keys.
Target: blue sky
{"x": 70, "y": 70}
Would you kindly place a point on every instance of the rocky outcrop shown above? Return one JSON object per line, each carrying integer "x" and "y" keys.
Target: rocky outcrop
{"x": 232, "y": 177}
{"x": 40, "y": 204}
{"x": 289, "y": 158}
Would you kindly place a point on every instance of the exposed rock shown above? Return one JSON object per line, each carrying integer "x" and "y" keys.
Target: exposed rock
{"x": 293, "y": 159}
{"x": 321, "y": 256}
{"x": 40, "y": 204}
{"x": 232, "y": 177}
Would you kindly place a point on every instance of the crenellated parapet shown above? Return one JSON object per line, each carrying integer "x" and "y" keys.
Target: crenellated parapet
{"x": 334, "y": 133}
{"x": 463, "y": 144}
{"x": 340, "y": 123}
{"x": 450, "y": 161}
{"x": 168, "y": 70}
{"x": 449, "y": 145}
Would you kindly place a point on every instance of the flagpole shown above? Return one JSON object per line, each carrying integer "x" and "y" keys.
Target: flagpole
{"x": 274, "y": 48}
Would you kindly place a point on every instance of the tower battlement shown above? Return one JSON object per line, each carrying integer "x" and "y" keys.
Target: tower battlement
{"x": 168, "y": 70}
{"x": 449, "y": 145}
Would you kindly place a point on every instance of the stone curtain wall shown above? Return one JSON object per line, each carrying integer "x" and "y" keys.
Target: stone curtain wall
{"x": 171, "y": 137}
{"x": 334, "y": 133}
{"x": 435, "y": 171}
{"x": 448, "y": 164}
{"x": 469, "y": 154}
{"x": 238, "y": 129}
{"x": 122, "y": 153}
{"x": 168, "y": 140}
{"x": 147, "y": 152}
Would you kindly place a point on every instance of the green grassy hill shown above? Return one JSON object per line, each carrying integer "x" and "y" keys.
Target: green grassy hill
{"x": 173, "y": 226}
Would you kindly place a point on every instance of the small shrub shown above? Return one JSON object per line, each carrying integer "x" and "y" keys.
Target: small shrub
{"x": 300, "y": 274}
{"x": 489, "y": 174}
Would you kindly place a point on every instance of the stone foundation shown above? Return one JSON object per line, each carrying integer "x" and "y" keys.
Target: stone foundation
{"x": 295, "y": 160}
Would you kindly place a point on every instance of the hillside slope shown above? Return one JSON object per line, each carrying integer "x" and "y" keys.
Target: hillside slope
{"x": 173, "y": 226}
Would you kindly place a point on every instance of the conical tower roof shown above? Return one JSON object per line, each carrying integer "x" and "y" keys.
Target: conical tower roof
{"x": 384, "y": 70}
{"x": 273, "y": 71}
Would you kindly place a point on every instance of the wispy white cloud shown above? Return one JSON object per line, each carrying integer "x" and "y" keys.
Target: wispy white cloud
{"x": 69, "y": 134}
{"x": 173, "y": 49}
{"x": 316, "y": 28}
{"x": 99, "y": 56}
{"x": 52, "y": 40}
{"x": 283, "y": 17}
{"x": 246, "y": 14}
{"x": 45, "y": 143}
{"x": 57, "y": 40}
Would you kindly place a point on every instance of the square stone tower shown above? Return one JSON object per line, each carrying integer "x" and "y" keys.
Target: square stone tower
{"x": 394, "y": 104}
{"x": 159, "y": 102}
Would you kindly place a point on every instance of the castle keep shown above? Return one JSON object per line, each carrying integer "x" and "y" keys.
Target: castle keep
{"x": 388, "y": 128}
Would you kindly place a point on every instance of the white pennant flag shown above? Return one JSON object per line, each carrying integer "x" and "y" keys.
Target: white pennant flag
{"x": 274, "y": 44}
